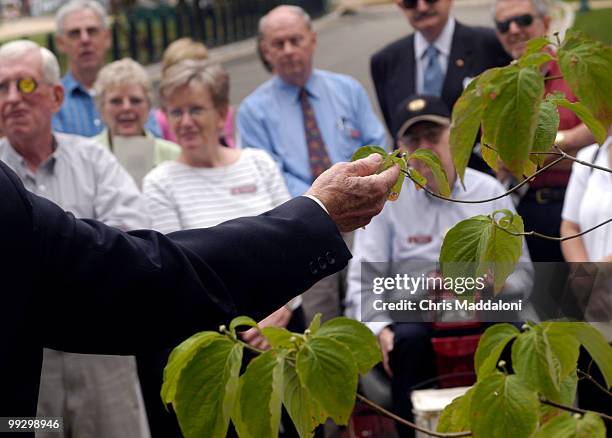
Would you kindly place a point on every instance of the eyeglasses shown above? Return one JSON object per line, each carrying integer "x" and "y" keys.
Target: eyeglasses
{"x": 520, "y": 20}
{"x": 427, "y": 132}
{"x": 25, "y": 85}
{"x": 92, "y": 32}
{"x": 295, "y": 41}
{"x": 193, "y": 111}
{"x": 411, "y": 4}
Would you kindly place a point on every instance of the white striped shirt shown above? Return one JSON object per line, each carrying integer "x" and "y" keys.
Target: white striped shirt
{"x": 181, "y": 197}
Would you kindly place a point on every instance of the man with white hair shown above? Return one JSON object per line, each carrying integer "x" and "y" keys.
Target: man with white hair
{"x": 307, "y": 119}
{"x": 96, "y": 395}
{"x": 84, "y": 37}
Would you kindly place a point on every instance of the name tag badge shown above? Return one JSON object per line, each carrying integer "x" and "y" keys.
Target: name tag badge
{"x": 419, "y": 239}
{"x": 243, "y": 190}
{"x": 348, "y": 128}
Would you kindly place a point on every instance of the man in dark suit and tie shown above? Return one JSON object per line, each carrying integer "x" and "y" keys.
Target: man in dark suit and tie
{"x": 439, "y": 59}
{"x": 80, "y": 286}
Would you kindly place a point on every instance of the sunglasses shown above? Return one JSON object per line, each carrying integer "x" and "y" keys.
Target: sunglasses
{"x": 411, "y": 4}
{"x": 25, "y": 85}
{"x": 520, "y": 20}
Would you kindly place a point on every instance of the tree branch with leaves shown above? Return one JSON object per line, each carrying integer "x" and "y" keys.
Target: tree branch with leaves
{"x": 314, "y": 375}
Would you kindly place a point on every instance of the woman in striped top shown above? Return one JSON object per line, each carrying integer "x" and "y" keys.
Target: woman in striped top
{"x": 209, "y": 183}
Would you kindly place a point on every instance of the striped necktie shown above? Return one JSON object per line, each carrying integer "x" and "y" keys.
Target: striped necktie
{"x": 317, "y": 154}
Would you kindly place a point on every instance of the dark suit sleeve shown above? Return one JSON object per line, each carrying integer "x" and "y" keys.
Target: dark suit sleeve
{"x": 96, "y": 289}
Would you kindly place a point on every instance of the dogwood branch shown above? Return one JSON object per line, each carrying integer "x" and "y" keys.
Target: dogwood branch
{"x": 409, "y": 423}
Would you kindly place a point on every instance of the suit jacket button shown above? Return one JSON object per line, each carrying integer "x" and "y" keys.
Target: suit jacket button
{"x": 313, "y": 267}
{"x": 322, "y": 263}
{"x": 330, "y": 257}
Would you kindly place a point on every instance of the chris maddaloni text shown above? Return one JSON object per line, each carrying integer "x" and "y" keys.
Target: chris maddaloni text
{"x": 449, "y": 305}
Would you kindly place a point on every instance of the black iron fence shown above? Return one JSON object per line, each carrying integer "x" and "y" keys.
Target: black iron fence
{"x": 144, "y": 34}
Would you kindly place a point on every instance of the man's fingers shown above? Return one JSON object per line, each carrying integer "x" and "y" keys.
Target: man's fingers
{"x": 388, "y": 177}
{"x": 367, "y": 166}
{"x": 249, "y": 335}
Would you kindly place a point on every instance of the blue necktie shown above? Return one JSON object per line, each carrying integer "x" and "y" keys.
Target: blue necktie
{"x": 433, "y": 78}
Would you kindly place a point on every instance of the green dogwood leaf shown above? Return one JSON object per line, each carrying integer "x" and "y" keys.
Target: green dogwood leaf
{"x": 261, "y": 390}
{"x": 503, "y": 249}
{"x": 366, "y": 151}
{"x": 534, "y": 363}
{"x": 207, "y": 389}
{"x": 595, "y": 343}
{"x": 327, "y": 368}
{"x": 481, "y": 244}
{"x": 573, "y": 426}
{"x": 567, "y": 396}
{"x": 305, "y": 412}
{"x": 465, "y": 123}
{"x": 397, "y": 187}
{"x": 586, "y": 65}
{"x": 490, "y": 156}
{"x": 503, "y": 407}
{"x": 511, "y": 114}
{"x": 585, "y": 115}
{"x": 419, "y": 180}
{"x": 315, "y": 323}
{"x": 179, "y": 358}
{"x": 460, "y": 253}
{"x": 534, "y": 59}
{"x": 490, "y": 347}
{"x": 434, "y": 164}
{"x": 535, "y": 45}
{"x": 242, "y": 321}
{"x": 357, "y": 338}
{"x": 564, "y": 346}
{"x": 546, "y": 130}
{"x": 278, "y": 337}
{"x": 456, "y": 416}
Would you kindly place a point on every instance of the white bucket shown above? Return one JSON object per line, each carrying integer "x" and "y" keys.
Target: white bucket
{"x": 428, "y": 404}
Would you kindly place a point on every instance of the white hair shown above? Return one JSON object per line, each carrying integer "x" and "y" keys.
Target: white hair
{"x": 542, "y": 7}
{"x": 19, "y": 48}
{"x": 115, "y": 74}
{"x": 290, "y": 8}
{"x": 79, "y": 5}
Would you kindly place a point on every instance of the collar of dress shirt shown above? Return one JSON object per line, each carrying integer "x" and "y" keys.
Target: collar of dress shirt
{"x": 312, "y": 86}
{"x": 71, "y": 85}
{"x": 16, "y": 161}
{"x": 443, "y": 43}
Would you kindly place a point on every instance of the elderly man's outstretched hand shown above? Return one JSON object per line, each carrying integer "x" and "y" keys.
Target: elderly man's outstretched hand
{"x": 353, "y": 193}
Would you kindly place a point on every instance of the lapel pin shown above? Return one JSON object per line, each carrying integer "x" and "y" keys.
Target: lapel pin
{"x": 460, "y": 62}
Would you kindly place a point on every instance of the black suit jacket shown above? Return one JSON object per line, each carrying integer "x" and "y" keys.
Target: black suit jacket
{"x": 80, "y": 286}
{"x": 473, "y": 50}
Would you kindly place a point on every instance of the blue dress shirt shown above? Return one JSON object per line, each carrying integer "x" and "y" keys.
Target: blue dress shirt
{"x": 79, "y": 115}
{"x": 271, "y": 119}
